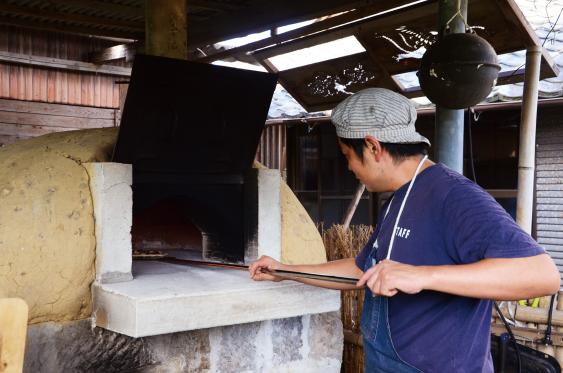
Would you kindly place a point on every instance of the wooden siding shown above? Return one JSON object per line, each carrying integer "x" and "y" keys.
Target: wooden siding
{"x": 22, "y": 119}
{"x": 52, "y": 85}
{"x": 549, "y": 189}
{"x": 272, "y": 148}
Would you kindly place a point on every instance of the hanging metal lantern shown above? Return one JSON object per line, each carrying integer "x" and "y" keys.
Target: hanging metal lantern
{"x": 458, "y": 71}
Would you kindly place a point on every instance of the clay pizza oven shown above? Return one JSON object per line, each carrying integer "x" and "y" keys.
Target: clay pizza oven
{"x": 182, "y": 182}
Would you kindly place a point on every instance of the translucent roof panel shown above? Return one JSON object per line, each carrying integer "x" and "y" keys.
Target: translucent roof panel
{"x": 318, "y": 53}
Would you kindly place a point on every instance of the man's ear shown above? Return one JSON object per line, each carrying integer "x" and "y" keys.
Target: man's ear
{"x": 374, "y": 147}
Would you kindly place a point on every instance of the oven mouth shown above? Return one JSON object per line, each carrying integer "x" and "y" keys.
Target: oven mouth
{"x": 216, "y": 221}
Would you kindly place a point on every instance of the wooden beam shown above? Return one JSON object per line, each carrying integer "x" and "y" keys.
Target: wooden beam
{"x": 383, "y": 20}
{"x": 166, "y": 28}
{"x": 263, "y": 15}
{"x": 308, "y": 30}
{"x": 272, "y": 69}
{"x": 58, "y": 122}
{"x": 503, "y": 193}
{"x": 121, "y": 10}
{"x": 30, "y": 107}
{"x": 57, "y": 63}
{"x": 24, "y": 130}
{"x": 376, "y": 58}
{"x": 67, "y": 17}
{"x": 212, "y": 5}
{"x": 124, "y": 35}
{"x": 513, "y": 13}
{"x": 548, "y": 68}
{"x": 354, "y": 338}
{"x": 116, "y": 52}
{"x": 194, "y": 17}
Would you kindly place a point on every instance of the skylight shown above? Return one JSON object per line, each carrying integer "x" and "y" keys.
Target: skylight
{"x": 318, "y": 53}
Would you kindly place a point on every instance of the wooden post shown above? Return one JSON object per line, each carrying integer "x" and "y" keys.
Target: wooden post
{"x": 166, "y": 28}
{"x": 353, "y": 205}
{"x": 527, "y": 153}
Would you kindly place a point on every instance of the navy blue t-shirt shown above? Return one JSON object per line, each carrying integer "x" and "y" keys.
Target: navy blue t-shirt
{"x": 447, "y": 219}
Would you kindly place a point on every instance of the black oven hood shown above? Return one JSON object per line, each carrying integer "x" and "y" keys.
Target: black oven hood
{"x": 189, "y": 117}
{"x": 191, "y": 132}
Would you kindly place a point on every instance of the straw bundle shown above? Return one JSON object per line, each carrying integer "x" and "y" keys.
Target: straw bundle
{"x": 341, "y": 243}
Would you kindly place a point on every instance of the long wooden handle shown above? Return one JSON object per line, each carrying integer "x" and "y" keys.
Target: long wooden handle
{"x": 315, "y": 276}
{"x": 281, "y": 273}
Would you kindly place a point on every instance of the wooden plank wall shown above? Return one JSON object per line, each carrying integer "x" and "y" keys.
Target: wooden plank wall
{"x": 272, "y": 148}
{"x": 50, "y": 85}
{"x": 23, "y": 119}
{"x": 549, "y": 187}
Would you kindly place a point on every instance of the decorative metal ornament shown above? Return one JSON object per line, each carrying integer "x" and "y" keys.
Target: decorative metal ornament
{"x": 458, "y": 71}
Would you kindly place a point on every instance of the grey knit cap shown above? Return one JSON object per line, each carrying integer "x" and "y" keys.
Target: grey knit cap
{"x": 379, "y": 112}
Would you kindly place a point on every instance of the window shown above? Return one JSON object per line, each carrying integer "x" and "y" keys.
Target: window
{"x": 319, "y": 176}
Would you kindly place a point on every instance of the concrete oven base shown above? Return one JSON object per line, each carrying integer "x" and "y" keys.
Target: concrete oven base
{"x": 310, "y": 343}
{"x": 167, "y": 298}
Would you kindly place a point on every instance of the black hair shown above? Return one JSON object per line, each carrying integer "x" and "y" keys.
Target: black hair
{"x": 398, "y": 152}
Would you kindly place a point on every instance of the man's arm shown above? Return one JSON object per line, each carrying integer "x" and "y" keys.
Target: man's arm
{"x": 343, "y": 268}
{"x": 497, "y": 279}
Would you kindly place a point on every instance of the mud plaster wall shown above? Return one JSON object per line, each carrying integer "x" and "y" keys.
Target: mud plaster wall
{"x": 301, "y": 241}
{"x": 47, "y": 242}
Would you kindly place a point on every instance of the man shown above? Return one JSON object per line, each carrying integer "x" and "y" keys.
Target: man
{"x": 427, "y": 306}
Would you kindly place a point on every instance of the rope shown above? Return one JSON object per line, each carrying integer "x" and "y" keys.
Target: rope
{"x": 456, "y": 14}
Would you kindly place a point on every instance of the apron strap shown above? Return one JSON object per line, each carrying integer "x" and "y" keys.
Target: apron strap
{"x": 403, "y": 206}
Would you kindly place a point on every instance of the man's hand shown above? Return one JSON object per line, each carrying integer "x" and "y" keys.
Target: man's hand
{"x": 388, "y": 278}
{"x": 259, "y": 269}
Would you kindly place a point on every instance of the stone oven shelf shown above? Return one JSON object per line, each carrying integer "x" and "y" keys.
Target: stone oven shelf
{"x": 167, "y": 298}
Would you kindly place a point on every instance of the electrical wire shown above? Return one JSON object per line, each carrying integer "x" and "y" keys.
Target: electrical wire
{"x": 544, "y": 40}
{"x": 547, "y": 336}
{"x": 512, "y": 338}
{"x": 552, "y": 27}
{"x": 470, "y": 137}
